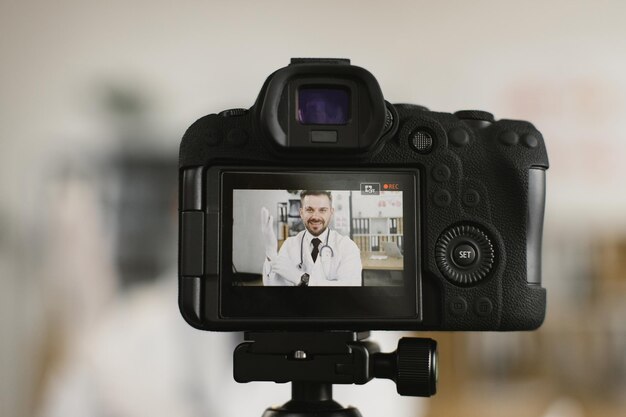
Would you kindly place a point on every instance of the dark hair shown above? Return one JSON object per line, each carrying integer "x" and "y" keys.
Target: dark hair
{"x": 304, "y": 193}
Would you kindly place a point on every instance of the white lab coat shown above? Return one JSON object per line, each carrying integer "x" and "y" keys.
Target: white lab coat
{"x": 342, "y": 269}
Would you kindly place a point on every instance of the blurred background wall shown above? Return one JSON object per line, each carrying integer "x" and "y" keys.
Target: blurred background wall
{"x": 94, "y": 98}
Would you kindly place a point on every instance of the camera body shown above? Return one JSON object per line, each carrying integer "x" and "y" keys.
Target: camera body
{"x": 468, "y": 193}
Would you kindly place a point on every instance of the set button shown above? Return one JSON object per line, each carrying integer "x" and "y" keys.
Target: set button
{"x": 464, "y": 254}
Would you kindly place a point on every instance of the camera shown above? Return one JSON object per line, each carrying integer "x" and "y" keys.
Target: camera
{"x": 325, "y": 207}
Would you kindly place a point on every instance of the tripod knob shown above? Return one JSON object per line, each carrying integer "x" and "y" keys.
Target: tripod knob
{"x": 413, "y": 366}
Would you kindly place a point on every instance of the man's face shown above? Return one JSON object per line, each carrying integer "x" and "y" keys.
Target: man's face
{"x": 316, "y": 213}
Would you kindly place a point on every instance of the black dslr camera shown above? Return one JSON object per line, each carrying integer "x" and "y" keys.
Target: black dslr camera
{"x": 445, "y": 209}
{"x": 325, "y": 208}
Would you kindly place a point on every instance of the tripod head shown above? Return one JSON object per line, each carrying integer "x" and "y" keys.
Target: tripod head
{"x": 313, "y": 361}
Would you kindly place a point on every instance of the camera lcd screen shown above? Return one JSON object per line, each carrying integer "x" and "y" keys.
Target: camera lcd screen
{"x": 331, "y": 244}
{"x": 323, "y": 105}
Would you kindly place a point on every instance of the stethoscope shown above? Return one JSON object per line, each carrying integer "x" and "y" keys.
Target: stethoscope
{"x": 329, "y": 251}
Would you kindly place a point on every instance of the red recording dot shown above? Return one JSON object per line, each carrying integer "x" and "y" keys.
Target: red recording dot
{"x": 386, "y": 186}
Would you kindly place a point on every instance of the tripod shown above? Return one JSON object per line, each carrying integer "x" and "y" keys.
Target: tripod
{"x": 313, "y": 362}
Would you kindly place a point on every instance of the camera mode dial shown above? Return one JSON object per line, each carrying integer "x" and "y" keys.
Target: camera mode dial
{"x": 464, "y": 254}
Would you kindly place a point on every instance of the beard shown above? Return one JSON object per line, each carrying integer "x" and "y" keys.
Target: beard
{"x": 315, "y": 228}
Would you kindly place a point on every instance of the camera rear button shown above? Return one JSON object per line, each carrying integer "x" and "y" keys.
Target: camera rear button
{"x": 530, "y": 141}
{"x": 483, "y": 306}
{"x": 441, "y": 173}
{"x": 470, "y": 198}
{"x": 458, "y": 137}
{"x": 509, "y": 138}
{"x": 458, "y": 306}
{"x": 442, "y": 198}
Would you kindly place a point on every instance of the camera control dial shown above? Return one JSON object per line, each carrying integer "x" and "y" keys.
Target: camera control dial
{"x": 464, "y": 254}
{"x": 475, "y": 115}
{"x": 475, "y": 118}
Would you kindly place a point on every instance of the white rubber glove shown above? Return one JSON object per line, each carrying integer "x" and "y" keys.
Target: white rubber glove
{"x": 269, "y": 237}
{"x": 286, "y": 269}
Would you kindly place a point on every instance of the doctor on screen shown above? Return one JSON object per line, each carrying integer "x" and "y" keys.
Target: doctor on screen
{"x": 317, "y": 256}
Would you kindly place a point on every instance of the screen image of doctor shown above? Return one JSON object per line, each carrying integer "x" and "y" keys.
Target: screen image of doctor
{"x": 318, "y": 255}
